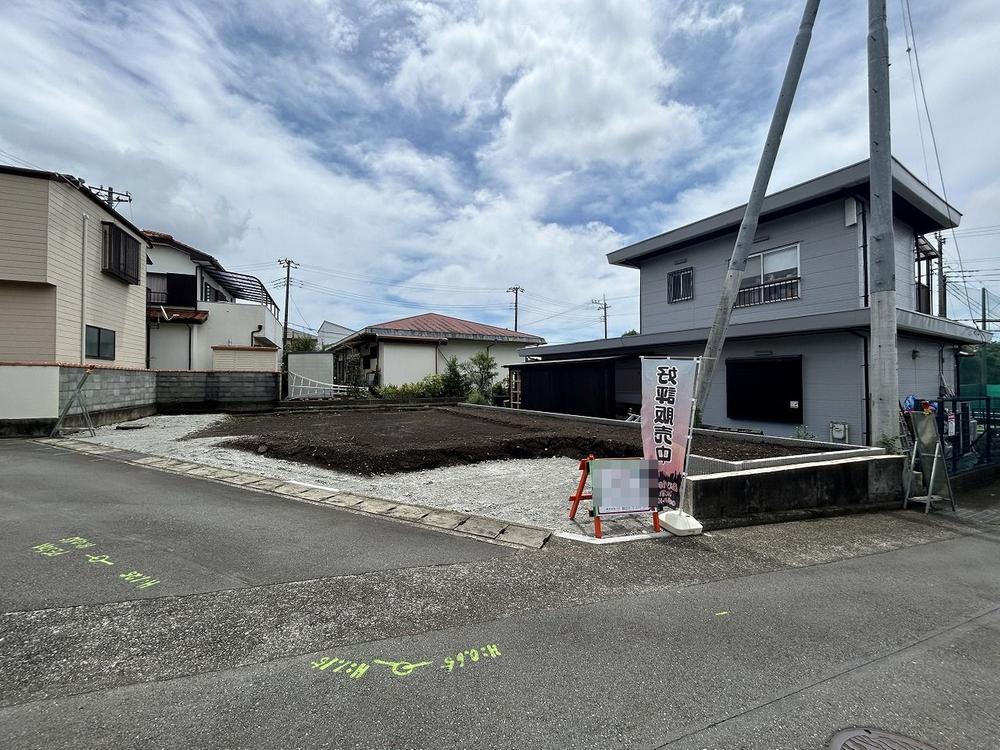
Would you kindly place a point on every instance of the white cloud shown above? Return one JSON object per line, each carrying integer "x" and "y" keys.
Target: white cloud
{"x": 464, "y": 146}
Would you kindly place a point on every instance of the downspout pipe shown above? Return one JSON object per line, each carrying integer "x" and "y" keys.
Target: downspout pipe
{"x": 868, "y": 396}
{"x": 254, "y": 332}
{"x": 83, "y": 292}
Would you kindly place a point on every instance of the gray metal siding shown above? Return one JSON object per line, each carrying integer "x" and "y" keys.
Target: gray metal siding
{"x": 832, "y": 382}
{"x": 904, "y": 240}
{"x": 921, "y": 368}
{"x": 828, "y": 264}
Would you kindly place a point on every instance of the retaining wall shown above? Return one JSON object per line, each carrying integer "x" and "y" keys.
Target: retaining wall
{"x": 34, "y": 394}
{"x": 779, "y": 493}
{"x": 185, "y": 392}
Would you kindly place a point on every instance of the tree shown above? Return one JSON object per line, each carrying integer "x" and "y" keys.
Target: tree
{"x": 301, "y": 344}
{"x": 354, "y": 374}
{"x": 481, "y": 369}
{"x": 631, "y": 332}
{"x": 455, "y": 383}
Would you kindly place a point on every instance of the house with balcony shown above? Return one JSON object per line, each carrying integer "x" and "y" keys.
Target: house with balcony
{"x": 797, "y": 350}
{"x": 72, "y": 274}
{"x": 202, "y": 317}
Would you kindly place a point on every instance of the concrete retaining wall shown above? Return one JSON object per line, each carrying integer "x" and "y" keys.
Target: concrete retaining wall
{"x": 33, "y": 395}
{"x": 184, "y": 392}
{"x": 779, "y": 493}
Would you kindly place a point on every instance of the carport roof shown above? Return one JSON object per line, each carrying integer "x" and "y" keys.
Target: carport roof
{"x": 907, "y": 323}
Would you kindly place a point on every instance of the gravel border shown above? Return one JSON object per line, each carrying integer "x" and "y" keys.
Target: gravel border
{"x": 528, "y": 491}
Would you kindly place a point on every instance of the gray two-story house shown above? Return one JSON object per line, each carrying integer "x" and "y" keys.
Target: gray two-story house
{"x": 797, "y": 348}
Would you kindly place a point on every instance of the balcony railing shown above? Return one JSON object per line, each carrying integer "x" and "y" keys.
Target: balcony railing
{"x": 155, "y": 298}
{"x": 774, "y": 291}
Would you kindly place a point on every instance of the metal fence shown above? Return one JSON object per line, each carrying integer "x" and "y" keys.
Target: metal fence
{"x": 970, "y": 432}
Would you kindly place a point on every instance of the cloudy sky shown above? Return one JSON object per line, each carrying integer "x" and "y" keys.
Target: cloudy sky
{"x": 416, "y": 156}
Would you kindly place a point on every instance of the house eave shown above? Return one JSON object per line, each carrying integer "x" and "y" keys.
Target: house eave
{"x": 908, "y": 322}
{"x": 913, "y": 201}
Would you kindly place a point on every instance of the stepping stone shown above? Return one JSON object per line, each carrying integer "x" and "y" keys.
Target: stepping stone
{"x": 243, "y": 479}
{"x": 524, "y": 536}
{"x": 149, "y": 461}
{"x": 266, "y": 484}
{"x": 373, "y": 505}
{"x": 408, "y": 512}
{"x": 291, "y": 489}
{"x": 486, "y": 527}
{"x": 315, "y": 493}
{"x": 344, "y": 501}
{"x": 444, "y": 519}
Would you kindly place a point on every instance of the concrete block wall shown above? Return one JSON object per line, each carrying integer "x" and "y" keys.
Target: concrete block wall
{"x": 215, "y": 390}
{"x": 112, "y": 394}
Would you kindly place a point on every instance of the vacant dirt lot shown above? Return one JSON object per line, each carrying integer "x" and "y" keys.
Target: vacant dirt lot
{"x": 385, "y": 441}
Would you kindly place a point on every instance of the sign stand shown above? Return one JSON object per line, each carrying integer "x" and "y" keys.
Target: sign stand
{"x": 580, "y": 495}
{"x": 927, "y": 459}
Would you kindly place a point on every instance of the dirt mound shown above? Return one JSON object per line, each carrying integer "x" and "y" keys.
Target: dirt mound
{"x": 394, "y": 440}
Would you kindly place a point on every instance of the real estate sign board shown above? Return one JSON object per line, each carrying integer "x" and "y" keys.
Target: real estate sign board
{"x": 667, "y": 419}
{"x": 623, "y": 485}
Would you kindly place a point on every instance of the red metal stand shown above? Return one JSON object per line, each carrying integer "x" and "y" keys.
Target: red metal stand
{"x": 577, "y": 497}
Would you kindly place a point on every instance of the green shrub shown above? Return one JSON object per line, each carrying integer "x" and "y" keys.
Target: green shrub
{"x": 475, "y": 397}
{"x": 454, "y": 384}
{"x": 480, "y": 370}
{"x": 431, "y": 386}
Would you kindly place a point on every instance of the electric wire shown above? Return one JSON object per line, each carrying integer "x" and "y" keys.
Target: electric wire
{"x": 937, "y": 153}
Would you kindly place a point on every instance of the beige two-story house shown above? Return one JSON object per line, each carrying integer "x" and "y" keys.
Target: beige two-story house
{"x": 72, "y": 274}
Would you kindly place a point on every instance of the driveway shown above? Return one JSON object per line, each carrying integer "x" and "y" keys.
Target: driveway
{"x": 344, "y": 631}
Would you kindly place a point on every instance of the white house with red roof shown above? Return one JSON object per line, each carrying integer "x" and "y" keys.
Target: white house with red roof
{"x": 409, "y": 349}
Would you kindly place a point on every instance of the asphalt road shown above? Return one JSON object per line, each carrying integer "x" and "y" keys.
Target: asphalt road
{"x": 768, "y": 637}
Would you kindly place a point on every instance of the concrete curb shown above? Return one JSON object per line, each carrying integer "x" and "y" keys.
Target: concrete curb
{"x": 483, "y": 528}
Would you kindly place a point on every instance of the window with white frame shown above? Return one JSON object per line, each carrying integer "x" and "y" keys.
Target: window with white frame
{"x": 770, "y": 276}
{"x": 680, "y": 285}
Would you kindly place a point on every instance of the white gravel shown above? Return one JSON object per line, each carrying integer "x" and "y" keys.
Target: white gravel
{"x": 531, "y": 491}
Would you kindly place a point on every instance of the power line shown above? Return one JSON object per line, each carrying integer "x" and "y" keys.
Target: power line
{"x": 937, "y": 153}
{"x": 916, "y": 103}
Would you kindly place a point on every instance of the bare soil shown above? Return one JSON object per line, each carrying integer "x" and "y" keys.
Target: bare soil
{"x": 387, "y": 441}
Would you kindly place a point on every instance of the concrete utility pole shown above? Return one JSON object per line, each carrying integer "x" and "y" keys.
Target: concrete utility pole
{"x": 748, "y": 227}
{"x": 516, "y": 290}
{"x": 884, "y": 356}
{"x": 602, "y": 305}
{"x": 288, "y": 264}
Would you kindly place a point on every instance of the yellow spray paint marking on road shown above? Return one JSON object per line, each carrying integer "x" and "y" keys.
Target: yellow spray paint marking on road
{"x": 78, "y": 543}
{"x": 721, "y": 614}
{"x": 403, "y": 668}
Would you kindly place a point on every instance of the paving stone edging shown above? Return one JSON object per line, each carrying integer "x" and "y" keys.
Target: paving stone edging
{"x": 485, "y": 529}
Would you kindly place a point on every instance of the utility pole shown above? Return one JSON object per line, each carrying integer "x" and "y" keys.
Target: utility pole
{"x": 516, "y": 290}
{"x": 884, "y": 355}
{"x": 942, "y": 282}
{"x": 602, "y": 305}
{"x": 748, "y": 227}
{"x": 288, "y": 264}
{"x": 111, "y": 196}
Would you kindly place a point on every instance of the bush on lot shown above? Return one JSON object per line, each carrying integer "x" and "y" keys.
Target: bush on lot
{"x": 481, "y": 369}
{"x": 454, "y": 382}
{"x": 475, "y": 397}
{"x": 431, "y": 386}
